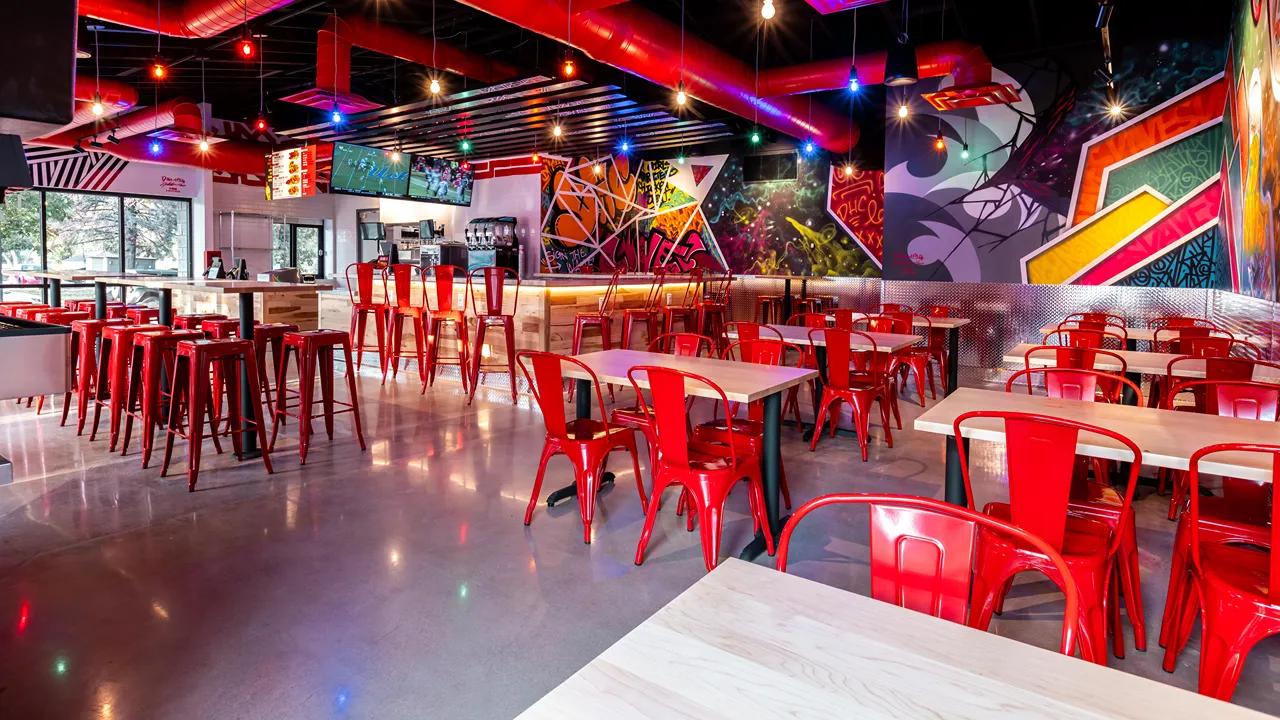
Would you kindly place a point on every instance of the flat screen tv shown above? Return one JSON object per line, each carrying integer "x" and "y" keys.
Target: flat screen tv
{"x": 441, "y": 181}
{"x": 359, "y": 170}
{"x": 769, "y": 168}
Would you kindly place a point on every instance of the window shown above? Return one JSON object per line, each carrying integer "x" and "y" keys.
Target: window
{"x": 157, "y": 236}
{"x": 96, "y": 232}
{"x": 20, "y": 246}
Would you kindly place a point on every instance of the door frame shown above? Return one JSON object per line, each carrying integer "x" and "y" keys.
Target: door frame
{"x": 293, "y": 245}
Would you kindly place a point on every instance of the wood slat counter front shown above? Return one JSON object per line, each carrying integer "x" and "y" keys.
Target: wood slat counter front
{"x": 544, "y": 315}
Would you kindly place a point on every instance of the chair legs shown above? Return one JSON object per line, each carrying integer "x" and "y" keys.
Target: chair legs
{"x": 433, "y": 351}
{"x": 708, "y": 502}
{"x": 477, "y": 359}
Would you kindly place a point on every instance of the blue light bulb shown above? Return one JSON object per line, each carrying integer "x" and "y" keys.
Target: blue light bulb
{"x": 808, "y": 148}
{"x": 155, "y": 147}
{"x": 625, "y": 146}
{"x": 336, "y": 116}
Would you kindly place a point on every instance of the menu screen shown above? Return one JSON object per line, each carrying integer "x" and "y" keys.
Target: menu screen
{"x": 443, "y": 181}
{"x": 291, "y": 173}
{"x": 359, "y": 170}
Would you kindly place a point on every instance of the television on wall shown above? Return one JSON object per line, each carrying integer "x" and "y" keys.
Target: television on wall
{"x": 359, "y": 170}
{"x": 769, "y": 168}
{"x": 437, "y": 180}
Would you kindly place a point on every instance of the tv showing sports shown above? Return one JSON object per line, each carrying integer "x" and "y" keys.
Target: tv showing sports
{"x": 442, "y": 181}
{"x": 359, "y": 170}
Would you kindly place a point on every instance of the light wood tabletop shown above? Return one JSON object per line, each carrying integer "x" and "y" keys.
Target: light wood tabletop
{"x": 1167, "y": 438}
{"x": 940, "y": 323}
{"x": 1147, "y": 334}
{"x": 888, "y": 342}
{"x": 741, "y": 381}
{"x": 750, "y": 642}
{"x": 72, "y": 275}
{"x": 220, "y": 287}
{"x": 1146, "y": 363}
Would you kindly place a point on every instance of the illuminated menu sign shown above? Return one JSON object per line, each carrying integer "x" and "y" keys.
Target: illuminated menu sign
{"x": 291, "y": 173}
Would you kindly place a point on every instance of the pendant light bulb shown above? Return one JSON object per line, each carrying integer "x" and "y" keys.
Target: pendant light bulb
{"x": 1116, "y": 109}
{"x": 435, "y": 86}
{"x": 97, "y": 104}
{"x": 854, "y": 84}
{"x": 204, "y": 145}
{"x": 395, "y": 156}
{"x": 625, "y": 146}
{"x": 158, "y": 69}
{"x": 557, "y": 130}
{"x": 680, "y": 159}
{"x": 903, "y": 111}
{"x": 964, "y": 154}
{"x": 155, "y": 147}
{"x": 848, "y": 170}
{"x": 569, "y": 68}
{"x": 767, "y": 11}
{"x": 681, "y": 97}
{"x": 465, "y": 145}
{"x": 939, "y": 143}
{"x": 597, "y": 168}
{"x": 755, "y": 137}
{"x": 535, "y": 157}
{"x": 808, "y": 148}
{"x": 246, "y": 47}
{"x": 336, "y": 116}
{"x": 261, "y": 123}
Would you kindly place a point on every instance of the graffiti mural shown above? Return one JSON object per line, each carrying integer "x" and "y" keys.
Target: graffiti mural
{"x": 1251, "y": 157}
{"x": 1054, "y": 188}
{"x": 610, "y": 212}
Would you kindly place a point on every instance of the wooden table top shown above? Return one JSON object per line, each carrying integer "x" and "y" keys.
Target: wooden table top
{"x": 71, "y": 275}
{"x": 221, "y": 287}
{"x": 750, "y": 642}
{"x": 1147, "y": 363}
{"x": 741, "y": 381}
{"x": 1147, "y": 334}
{"x": 946, "y": 323}
{"x": 1167, "y": 438}
{"x": 889, "y": 342}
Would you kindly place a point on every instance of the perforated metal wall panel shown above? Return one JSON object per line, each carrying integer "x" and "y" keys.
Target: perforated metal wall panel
{"x": 1243, "y": 315}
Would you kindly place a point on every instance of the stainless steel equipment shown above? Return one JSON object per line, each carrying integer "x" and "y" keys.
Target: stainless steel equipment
{"x": 492, "y": 241}
{"x": 41, "y": 365}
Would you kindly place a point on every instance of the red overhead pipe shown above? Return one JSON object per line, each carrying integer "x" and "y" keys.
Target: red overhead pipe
{"x": 635, "y": 40}
{"x": 966, "y": 61}
{"x": 181, "y": 113}
{"x": 393, "y": 41}
{"x": 180, "y": 18}
{"x": 231, "y": 156}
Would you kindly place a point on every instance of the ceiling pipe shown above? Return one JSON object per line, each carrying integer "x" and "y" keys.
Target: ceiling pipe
{"x": 180, "y": 18}
{"x": 180, "y": 113}
{"x": 964, "y": 60}
{"x": 635, "y": 40}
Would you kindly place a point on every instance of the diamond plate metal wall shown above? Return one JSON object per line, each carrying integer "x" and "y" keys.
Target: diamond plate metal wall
{"x": 1244, "y": 315}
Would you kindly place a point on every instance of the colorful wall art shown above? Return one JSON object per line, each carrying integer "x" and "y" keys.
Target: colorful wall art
{"x": 1058, "y": 189}
{"x": 1251, "y": 159}
{"x": 608, "y": 212}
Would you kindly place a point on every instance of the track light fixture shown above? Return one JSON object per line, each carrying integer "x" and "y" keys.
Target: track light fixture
{"x": 111, "y": 138}
{"x": 95, "y": 144}
{"x": 79, "y": 149}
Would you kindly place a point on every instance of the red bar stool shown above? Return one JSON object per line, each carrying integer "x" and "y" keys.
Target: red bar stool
{"x": 219, "y": 330}
{"x": 117, "y": 312}
{"x": 192, "y": 390}
{"x": 84, "y": 356}
{"x": 364, "y": 302}
{"x": 111, "y": 387}
{"x": 270, "y": 335}
{"x": 27, "y": 312}
{"x": 446, "y": 313}
{"x": 713, "y": 310}
{"x": 154, "y": 356}
{"x": 650, "y": 313}
{"x": 406, "y": 303}
{"x": 142, "y": 315}
{"x": 53, "y": 316}
{"x": 312, "y": 347}
{"x": 7, "y": 308}
{"x": 601, "y": 318}
{"x": 768, "y": 307}
{"x": 192, "y": 322}
{"x": 494, "y": 283}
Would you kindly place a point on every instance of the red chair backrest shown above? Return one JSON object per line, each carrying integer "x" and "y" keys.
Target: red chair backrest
{"x": 494, "y": 280}
{"x": 846, "y": 318}
{"x": 692, "y": 289}
{"x": 761, "y": 351}
{"x": 717, "y": 288}
{"x": 1233, "y": 398}
{"x": 1074, "y": 383}
{"x": 1041, "y": 453}
{"x": 1082, "y": 338}
{"x": 1075, "y": 357}
{"x": 1104, "y": 318}
{"x": 886, "y": 308}
{"x": 1274, "y": 563}
{"x": 1180, "y": 321}
{"x": 1220, "y": 368}
{"x": 609, "y": 301}
{"x": 546, "y": 382}
{"x": 685, "y": 344}
{"x": 403, "y": 276}
{"x": 841, "y": 356}
{"x": 361, "y": 291}
{"x": 444, "y": 280}
{"x": 809, "y": 320}
{"x": 751, "y": 331}
{"x": 939, "y": 311}
{"x": 889, "y": 324}
{"x": 922, "y": 554}
{"x": 653, "y": 301}
{"x": 668, "y": 412}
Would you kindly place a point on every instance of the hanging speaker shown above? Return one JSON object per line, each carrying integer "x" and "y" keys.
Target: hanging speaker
{"x": 900, "y": 66}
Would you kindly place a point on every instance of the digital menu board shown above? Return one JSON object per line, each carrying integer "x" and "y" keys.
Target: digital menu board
{"x": 442, "y": 181}
{"x": 291, "y": 173}
{"x": 359, "y": 170}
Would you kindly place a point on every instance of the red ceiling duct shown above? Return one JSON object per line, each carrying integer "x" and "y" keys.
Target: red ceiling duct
{"x": 635, "y": 40}
{"x": 966, "y": 62}
{"x": 333, "y": 60}
{"x": 181, "y": 112}
{"x": 180, "y": 18}
{"x": 826, "y": 7}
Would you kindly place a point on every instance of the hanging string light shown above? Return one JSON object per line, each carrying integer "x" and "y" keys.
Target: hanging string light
{"x": 755, "y": 106}
{"x": 158, "y": 67}
{"x": 434, "y": 87}
{"x": 964, "y": 153}
{"x": 246, "y": 40}
{"x": 335, "y": 114}
{"x": 261, "y": 123}
{"x": 767, "y": 10}
{"x": 204, "y": 108}
{"x": 569, "y": 68}
{"x": 681, "y": 97}
{"x": 97, "y": 76}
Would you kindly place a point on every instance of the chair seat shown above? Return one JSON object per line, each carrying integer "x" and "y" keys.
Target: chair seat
{"x": 456, "y": 315}
{"x": 714, "y": 458}
{"x": 584, "y": 430}
{"x": 370, "y": 306}
{"x": 408, "y": 311}
{"x": 1083, "y": 537}
{"x": 1242, "y": 568}
{"x": 631, "y": 417}
{"x": 740, "y": 426}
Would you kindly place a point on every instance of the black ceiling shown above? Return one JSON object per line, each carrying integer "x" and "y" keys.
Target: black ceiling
{"x": 1009, "y": 30}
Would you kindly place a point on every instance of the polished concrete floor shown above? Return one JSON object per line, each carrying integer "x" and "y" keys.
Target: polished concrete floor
{"x": 400, "y": 582}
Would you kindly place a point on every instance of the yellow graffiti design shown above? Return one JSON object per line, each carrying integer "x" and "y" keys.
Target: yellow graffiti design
{"x": 828, "y": 252}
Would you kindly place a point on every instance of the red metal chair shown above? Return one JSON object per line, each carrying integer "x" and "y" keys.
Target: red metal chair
{"x": 313, "y": 352}
{"x": 52, "y": 316}
{"x": 923, "y": 555}
{"x": 768, "y": 307}
{"x": 142, "y": 315}
{"x": 111, "y": 387}
{"x": 494, "y": 279}
{"x": 683, "y": 344}
{"x": 193, "y": 321}
{"x": 28, "y": 312}
{"x": 1096, "y": 499}
{"x": 713, "y": 308}
{"x": 601, "y": 318}
{"x": 270, "y": 335}
{"x": 707, "y": 471}
{"x": 154, "y": 357}
{"x": 7, "y": 307}
{"x": 687, "y": 311}
{"x": 586, "y": 442}
{"x": 84, "y": 356}
{"x": 191, "y": 391}
{"x": 865, "y": 383}
{"x": 742, "y": 330}
{"x": 847, "y": 319}
{"x": 650, "y": 313}
{"x": 1079, "y": 337}
{"x": 1231, "y": 588}
{"x": 365, "y": 302}
{"x": 408, "y": 299}
{"x": 938, "y": 311}
{"x": 1083, "y": 358}
{"x": 1041, "y": 463}
{"x": 919, "y": 361}
{"x": 884, "y": 308}
{"x": 1095, "y": 316}
{"x": 447, "y": 313}
{"x": 749, "y": 433}
{"x": 1180, "y": 321}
